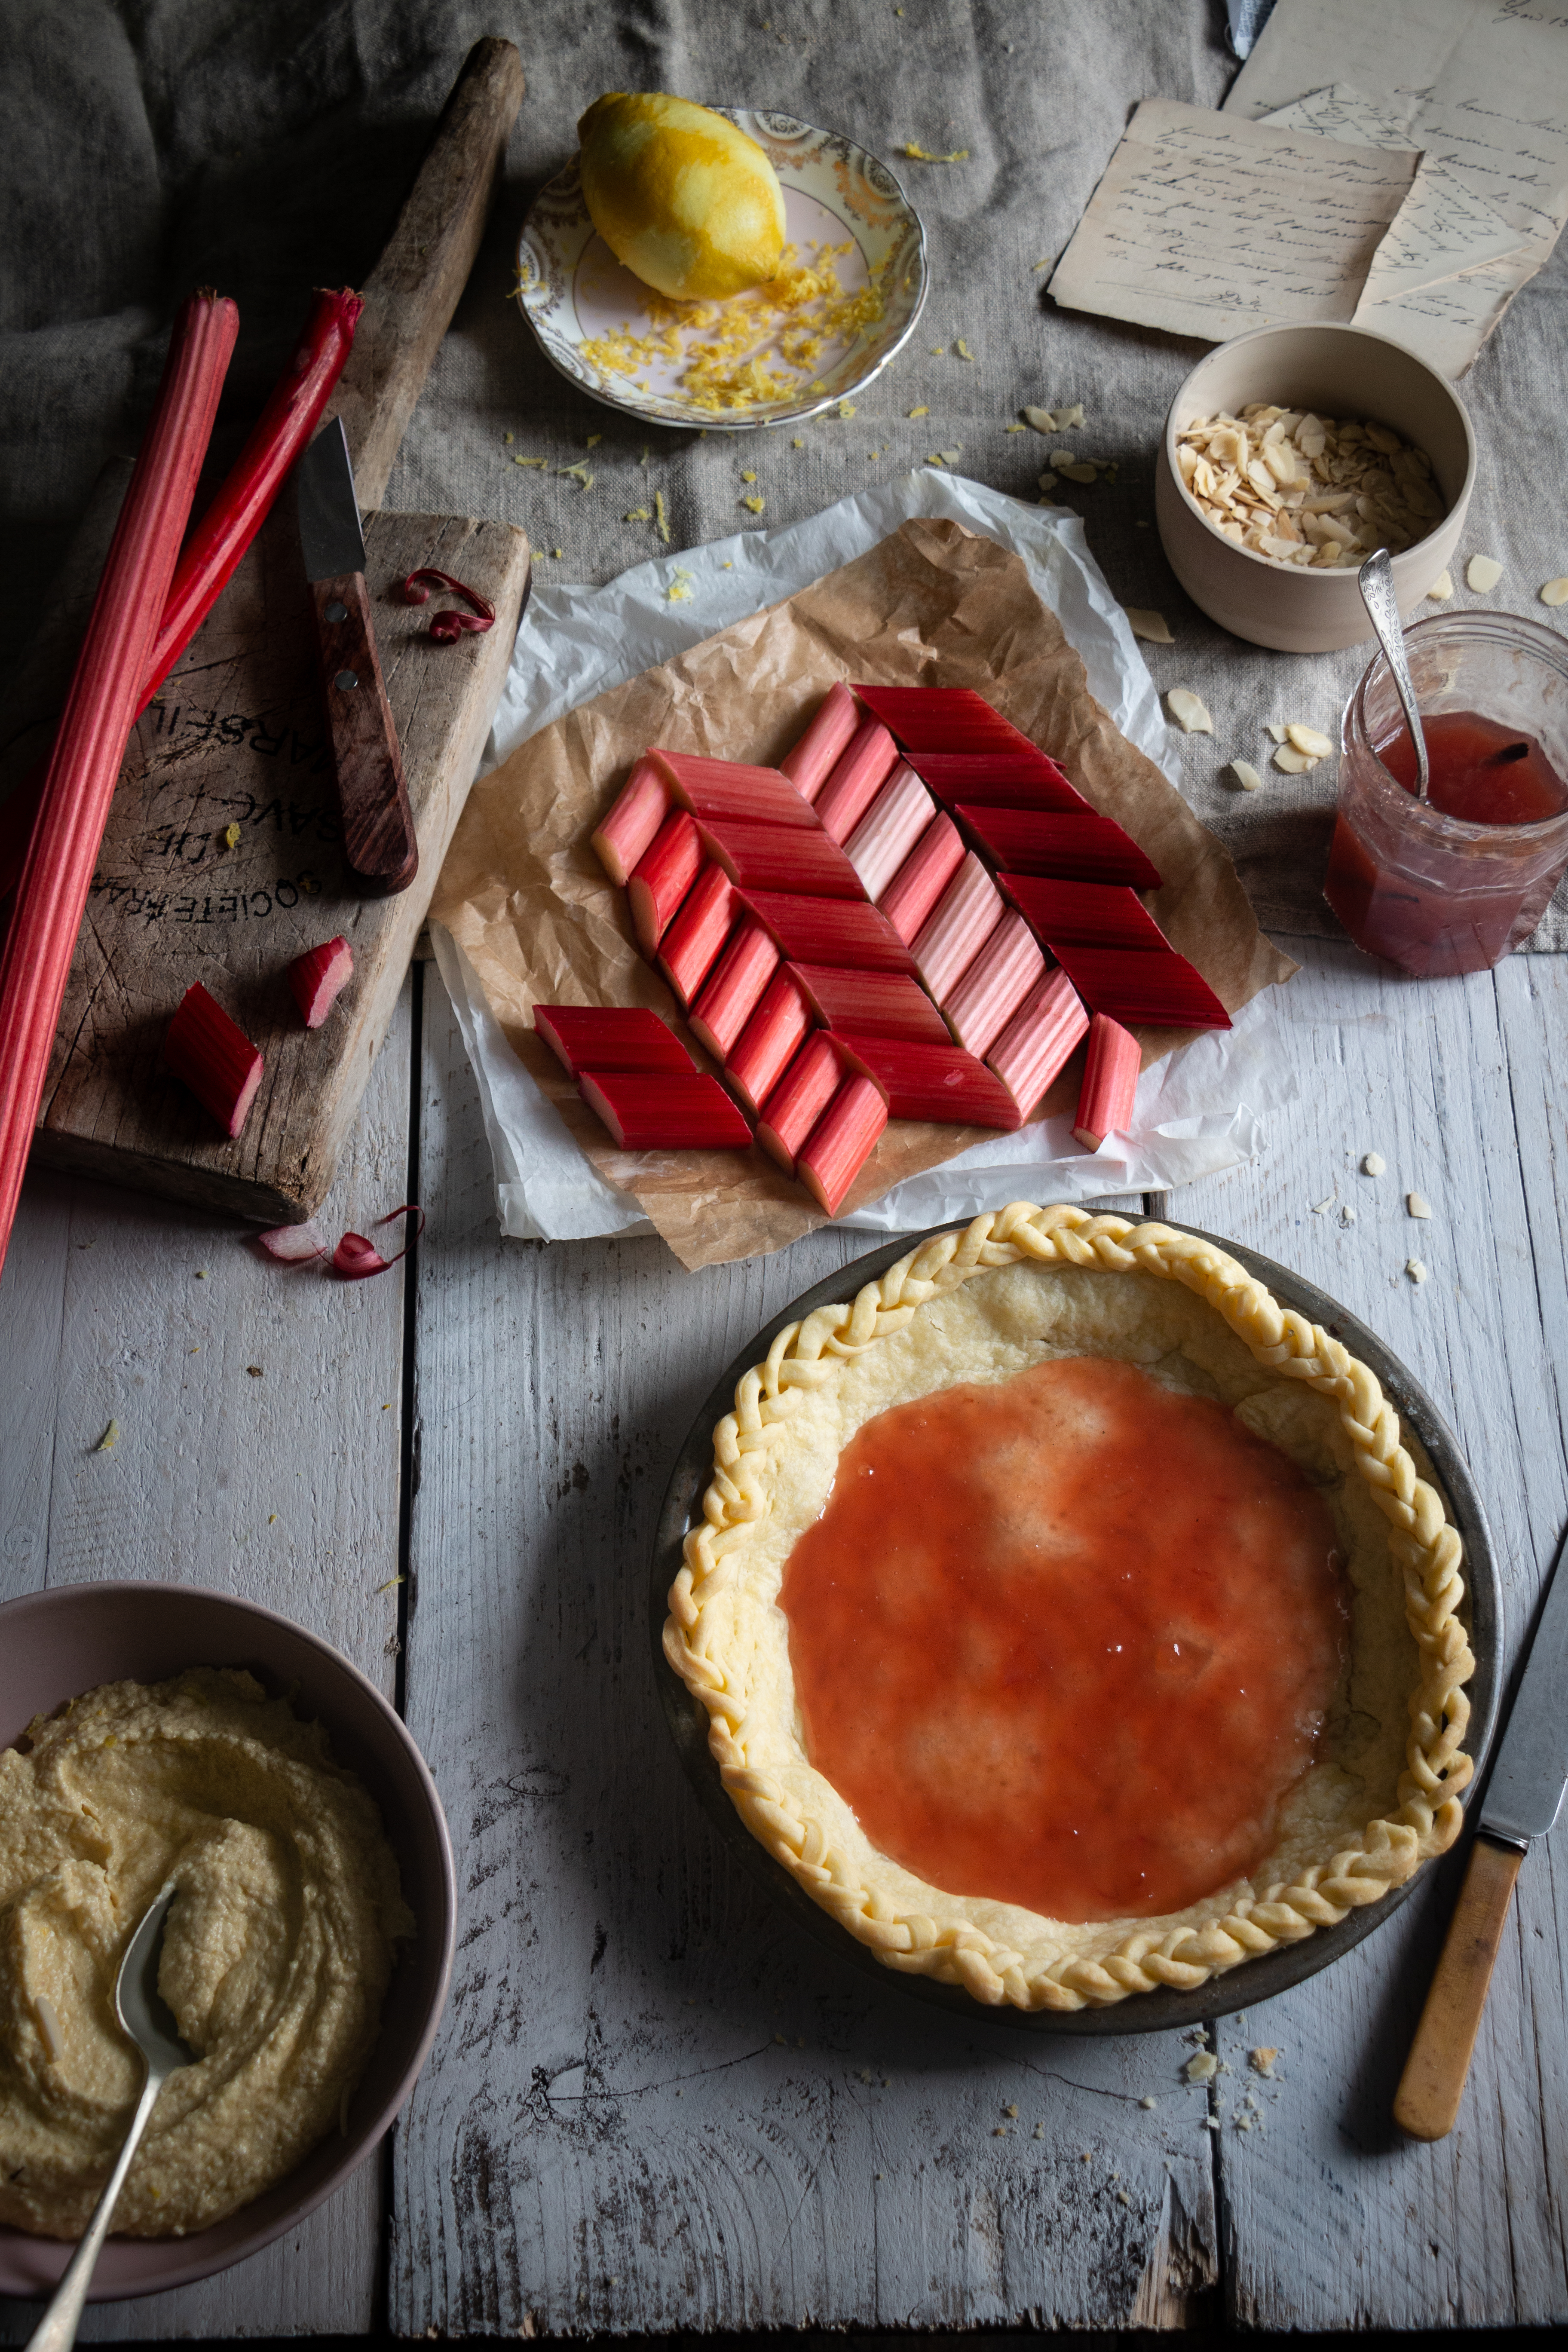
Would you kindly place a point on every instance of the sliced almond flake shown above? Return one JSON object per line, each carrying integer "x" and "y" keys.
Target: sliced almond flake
{"x": 1151, "y": 625}
{"x": 1482, "y": 574}
{"x": 1188, "y": 711}
{"x": 1073, "y": 415}
{"x": 1308, "y": 740}
{"x": 1076, "y": 469}
{"x": 1555, "y": 593}
{"x": 1374, "y": 1164}
{"x": 1291, "y": 762}
{"x": 1415, "y": 1269}
{"x": 1041, "y": 419}
{"x": 1416, "y": 1206}
{"x": 1048, "y": 482}
{"x": 1247, "y": 775}
{"x": 1278, "y": 731}
{"x": 1318, "y": 1206}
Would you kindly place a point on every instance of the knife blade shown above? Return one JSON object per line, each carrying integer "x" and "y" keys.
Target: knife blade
{"x": 380, "y": 847}
{"x": 1523, "y": 1799}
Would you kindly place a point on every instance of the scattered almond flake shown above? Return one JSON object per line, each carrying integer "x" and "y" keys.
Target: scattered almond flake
{"x": 1305, "y": 490}
{"x": 1482, "y": 574}
{"x": 1071, "y": 415}
{"x": 593, "y": 441}
{"x": 1555, "y": 591}
{"x": 1244, "y": 2123}
{"x": 920, "y": 412}
{"x": 680, "y": 589}
{"x": 1309, "y": 740}
{"x": 748, "y": 477}
{"x": 846, "y": 409}
{"x": 1151, "y": 625}
{"x": 950, "y": 456}
{"x": 1210, "y": 2123}
{"x": 660, "y": 518}
{"x": 48, "y": 2028}
{"x": 1188, "y": 711}
{"x": 1247, "y": 775}
{"x": 1048, "y": 482}
{"x": 1293, "y": 763}
{"x": 999, "y": 2131}
{"x": 1077, "y": 470}
{"x": 1416, "y": 1206}
{"x": 1041, "y": 419}
{"x": 1415, "y": 1269}
{"x": 754, "y": 505}
{"x": 1442, "y": 588}
{"x": 961, "y": 348}
{"x": 531, "y": 461}
{"x": 506, "y": 440}
{"x": 1318, "y": 1206}
{"x": 1201, "y": 2066}
{"x": 919, "y": 154}
{"x": 1374, "y": 1164}
{"x": 1148, "y": 2102}
{"x": 1278, "y": 731}
{"x": 1347, "y": 1215}
{"x": 1122, "y": 2198}
{"x": 1010, "y": 2111}
{"x": 106, "y": 1443}
{"x": 638, "y": 514}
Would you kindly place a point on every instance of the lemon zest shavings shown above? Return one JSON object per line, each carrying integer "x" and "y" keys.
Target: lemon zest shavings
{"x": 660, "y": 516}
{"x": 923, "y": 155}
{"x": 680, "y": 589}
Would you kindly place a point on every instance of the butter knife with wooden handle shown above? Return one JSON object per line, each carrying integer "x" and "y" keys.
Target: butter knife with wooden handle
{"x": 1522, "y": 1800}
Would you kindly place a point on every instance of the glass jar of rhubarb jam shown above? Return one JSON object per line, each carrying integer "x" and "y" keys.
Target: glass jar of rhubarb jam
{"x": 1452, "y": 883}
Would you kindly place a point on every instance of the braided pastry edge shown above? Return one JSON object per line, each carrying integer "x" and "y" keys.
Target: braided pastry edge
{"x": 1422, "y": 1542}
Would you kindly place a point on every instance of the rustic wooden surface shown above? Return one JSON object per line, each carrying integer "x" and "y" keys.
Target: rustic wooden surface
{"x": 651, "y": 2103}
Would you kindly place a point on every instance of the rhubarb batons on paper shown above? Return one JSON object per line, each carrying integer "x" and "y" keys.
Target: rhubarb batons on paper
{"x": 819, "y": 749}
{"x": 1006, "y": 968}
{"x": 714, "y": 790}
{"x": 911, "y": 896}
{"x": 962, "y": 921}
{"x": 1038, "y": 1042}
{"x": 769, "y": 1041}
{"x": 856, "y": 780}
{"x": 841, "y": 1143}
{"x": 666, "y": 1111}
{"x": 889, "y": 830}
{"x": 731, "y": 994}
{"x": 609, "y": 1037}
{"x": 1110, "y": 1083}
{"x": 690, "y": 948}
{"x": 623, "y": 838}
{"x": 830, "y": 931}
{"x": 799, "y": 1099}
{"x": 665, "y": 873}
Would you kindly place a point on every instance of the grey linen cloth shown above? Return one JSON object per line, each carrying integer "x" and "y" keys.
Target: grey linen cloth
{"x": 265, "y": 146}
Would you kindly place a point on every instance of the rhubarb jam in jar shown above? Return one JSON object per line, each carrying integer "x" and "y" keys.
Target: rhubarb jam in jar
{"x": 1452, "y": 883}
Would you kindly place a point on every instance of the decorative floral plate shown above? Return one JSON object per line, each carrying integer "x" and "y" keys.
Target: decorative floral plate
{"x": 857, "y": 283}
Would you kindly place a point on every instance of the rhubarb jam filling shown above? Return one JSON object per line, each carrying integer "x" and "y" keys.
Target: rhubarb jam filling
{"x": 1067, "y": 1641}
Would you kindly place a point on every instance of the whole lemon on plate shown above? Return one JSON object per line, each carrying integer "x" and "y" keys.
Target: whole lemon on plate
{"x": 686, "y": 201}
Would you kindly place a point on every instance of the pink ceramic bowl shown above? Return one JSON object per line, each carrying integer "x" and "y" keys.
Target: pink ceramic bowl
{"x": 54, "y": 1645}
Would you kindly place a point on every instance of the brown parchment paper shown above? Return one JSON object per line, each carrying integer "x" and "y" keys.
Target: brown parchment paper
{"x": 525, "y": 897}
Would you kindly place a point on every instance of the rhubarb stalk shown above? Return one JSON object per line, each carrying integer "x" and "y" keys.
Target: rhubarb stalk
{"x": 1082, "y": 914}
{"x": 995, "y": 984}
{"x": 965, "y": 916}
{"x": 841, "y": 1143}
{"x": 209, "y": 1054}
{"x": 936, "y": 1081}
{"x": 923, "y": 878}
{"x": 1154, "y": 985}
{"x": 780, "y": 857}
{"x": 731, "y": 995}
{"x": 889, "y": 830}
{"x": 763, "y": 1051}
{"x": 882, "y": 1003}
{"x": 317, "y": 978}
{"x": 608, "y": 1038}
{"x": 666, "y": 1112}
{"x": 830, "y": 930}
{"x": 1069, "y": 848}
{"x": 105, "y": 692}
{"x": 814, "y": 758}
{"x": 717, "y": 789}
{"x": 1033, "y": 1049}
{"x": 626, "y": 833}
{"x": 799, "y": 1099}
{"x": 856, "y": 780}
{"x": 689, "y": 948}
{"x": 943, "y": 719}
{"x": 1110, "y": 1083}
{"x": 665, "y": 873}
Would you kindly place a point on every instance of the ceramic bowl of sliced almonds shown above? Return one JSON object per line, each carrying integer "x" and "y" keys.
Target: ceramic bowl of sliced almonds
{"x": 1288, "y": 455}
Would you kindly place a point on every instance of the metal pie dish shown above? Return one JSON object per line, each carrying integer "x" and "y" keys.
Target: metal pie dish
{"x": 54, "y": 1645}
{"x": 1158, "y": 2012}
{"x": 570, "y": 289}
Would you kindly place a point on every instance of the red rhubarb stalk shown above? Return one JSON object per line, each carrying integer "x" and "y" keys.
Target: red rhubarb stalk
{"x": 1035, "y": 1046}
{"x": 216, "y": 1060}
{"x": 666, "y": 1112}
{"x": 889, "y": 830}
{"x": 103, "y": 697}
{"x": 999, "y": 780}
{"x": 717, "y": 789}
{"x": 317, "y": 978}
{"x": 943, "y": 719}
{"x": 814, "y": 758}
{"x": 665, "y": 873}
{"x": 781, "y": 857}
{"x": 934, "y": 1082}
{"x": 799, "y": 1099}
{"x": 1002, "y": 973}
{"x": 869, "y": 760}
{"x": 841, "y": 1143}
{"x": 1071, "y": 848}
{"x": 626, "y": 833}
{"x": 609, "y": 1037}
{"x": 731, "y": 995}
{"x": 1154, "y": 985}
{"x": 765, "y": 1046}
{"x": 1082, "y": 914}
{"x": 1110, "y": 1083}
{"x": 689, "y": 948}
{"x": 951, "y": 937}
{"x": 883, "y": 1004}
{"x": 831, "y": 930}
{"x": 923, "y": 878}
{"x": 356, "y": 1257}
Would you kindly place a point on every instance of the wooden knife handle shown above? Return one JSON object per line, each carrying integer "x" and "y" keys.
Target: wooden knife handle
{"x": 379, "y": 842}
{"x": 1433, "y": 2082}
{"x": 411, "y": 294}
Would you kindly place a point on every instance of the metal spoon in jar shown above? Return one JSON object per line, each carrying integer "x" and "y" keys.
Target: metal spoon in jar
{"x": 1376, "y": 578}
{"x": 145, "y": 2017}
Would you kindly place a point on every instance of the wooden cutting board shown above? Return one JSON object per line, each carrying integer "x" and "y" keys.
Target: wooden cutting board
{"x": 237, "y": 740}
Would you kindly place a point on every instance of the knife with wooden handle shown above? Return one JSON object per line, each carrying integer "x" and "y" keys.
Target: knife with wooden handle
{"x": 380, "y": 847}
{"x": 1523, "y": 1799}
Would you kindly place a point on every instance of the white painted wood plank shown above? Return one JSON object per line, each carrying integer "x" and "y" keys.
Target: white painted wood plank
{"x": 114, "y": 1305}
{"x": 655, "y": 2104}
{"x": 1333, "y": 2219}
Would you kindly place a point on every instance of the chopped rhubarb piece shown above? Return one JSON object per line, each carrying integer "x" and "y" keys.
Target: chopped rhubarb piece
{"x": 1082, "y": 914}
{"x": 689, "y": 948}
{"x": 964, "y": 918}
{"x": 781, "y": 857}
{"x": 640, "y": 808}
{"x": 814, "y": 757}
{"x": 294, "y": 1245}
{"x": 317, "y": 978}
{"x": 769, "y": 1041}
{"x": 609, "y": 1037}
{"x": 1150, "y": 984}
{"x": 717, "y": 789}
{"x": 1110, "y": 1083}
{"x": 733, "y": 988}
{"x": 831, "y": 930}
{"x": 856, "y": 780}
{"x": 889, "y": 830}
{"x": 665, "y": 873}
{"x": 800, "y": 1098}
{"x": 1002, "y": 973}
{"x": 936, "y": 1081}
{"x": 214, "y": 1059}
{"x": 1071, "y": 849}
{"x": 924, "y": 875}
{"x": 356, "y": 1257}
{"x": 1035, "y": 1046}
{"x": 883, "y": 1004}
{"x": 999, "y": 780}
{"x": 841, "y": 1143}
{"x": 941, "y": 718}
{"x": 666, "y": 1111}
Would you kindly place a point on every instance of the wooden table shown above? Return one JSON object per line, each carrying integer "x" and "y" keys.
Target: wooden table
{"x": 652, "y": 2104}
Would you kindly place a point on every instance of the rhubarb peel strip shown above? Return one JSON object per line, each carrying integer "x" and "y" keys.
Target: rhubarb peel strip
{"x": 294, "y": 1245}
{"x": 356, "y": 1257}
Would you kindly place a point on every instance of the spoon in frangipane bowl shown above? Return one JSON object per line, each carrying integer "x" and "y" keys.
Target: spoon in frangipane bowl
{"x": 1376, "y": 577}
{"x": 146, "y": 2019}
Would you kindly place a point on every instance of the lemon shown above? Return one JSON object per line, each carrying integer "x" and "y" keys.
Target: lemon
{"x": 686, "y": 201}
